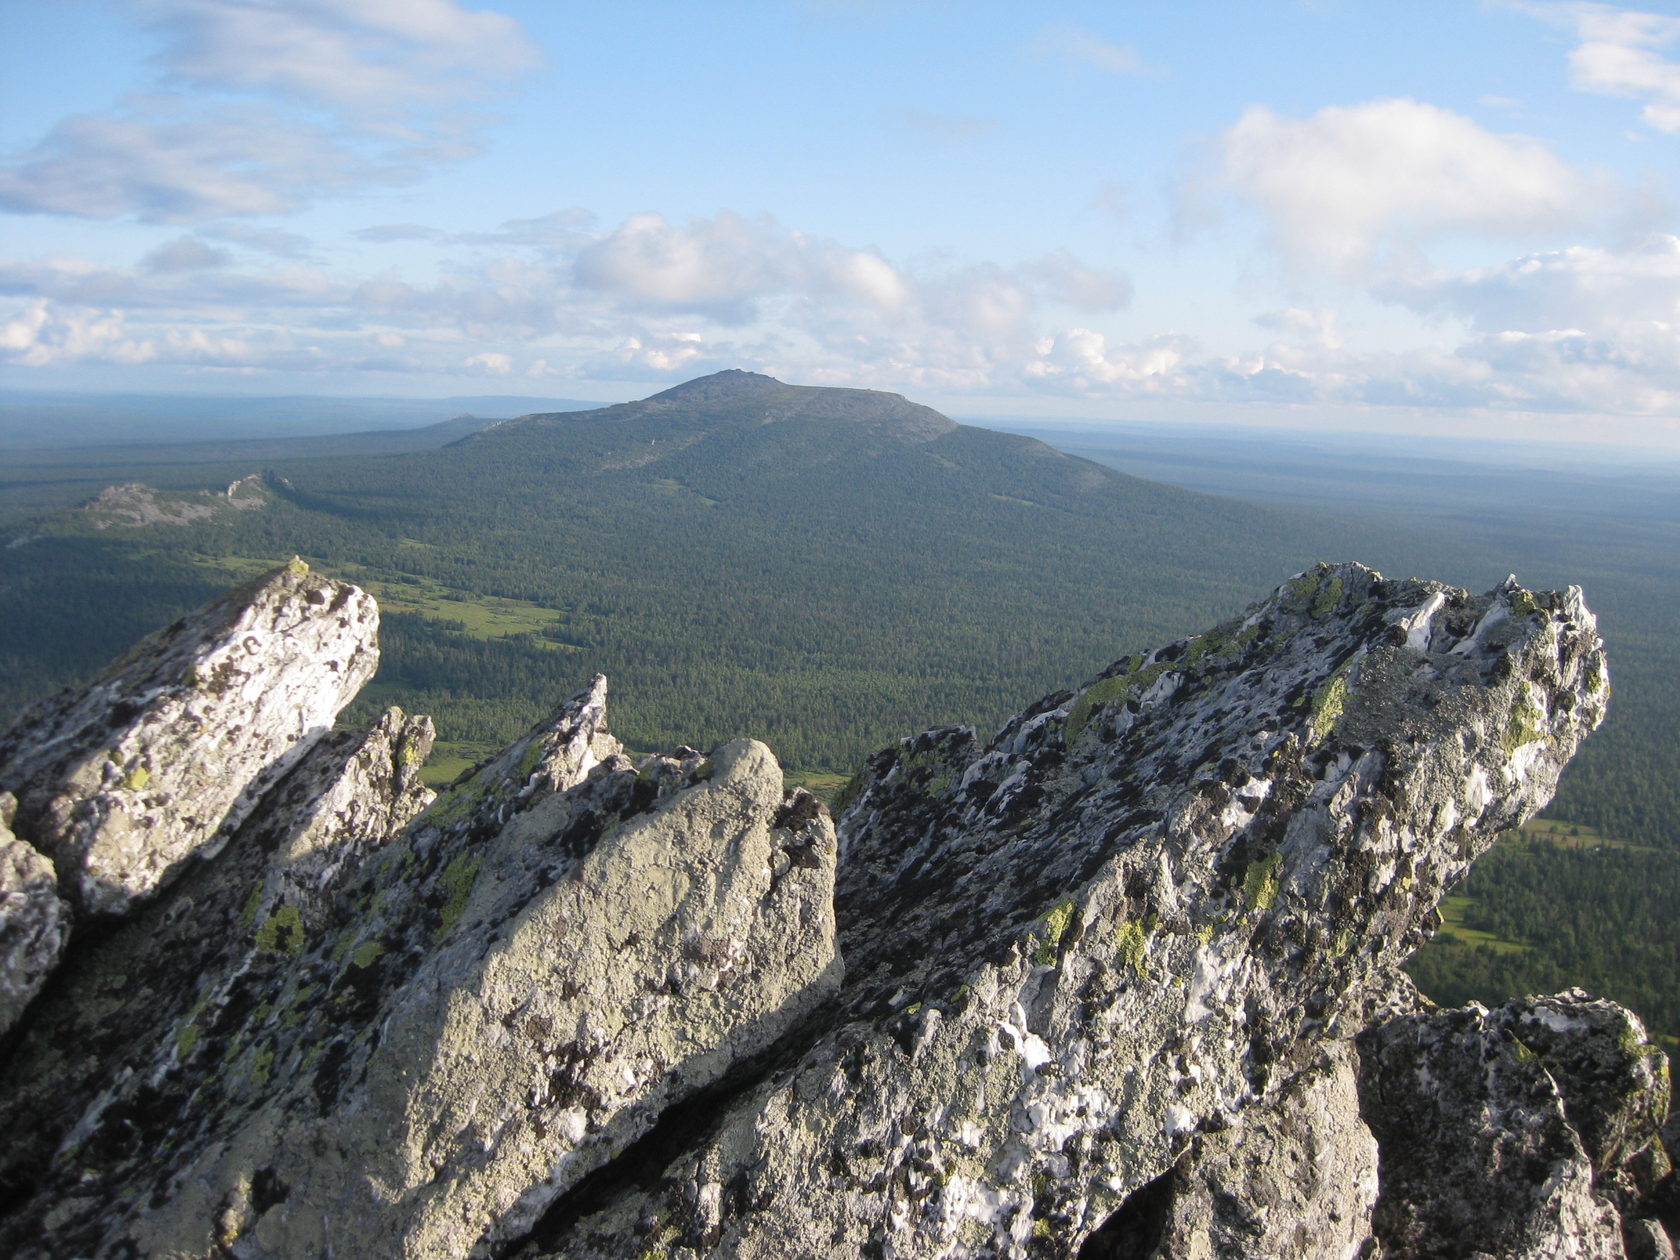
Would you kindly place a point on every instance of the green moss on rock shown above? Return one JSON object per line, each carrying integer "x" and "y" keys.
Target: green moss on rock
{"x": 282, "y": 932}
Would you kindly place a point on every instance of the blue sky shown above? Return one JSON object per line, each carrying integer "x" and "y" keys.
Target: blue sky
{"x": 1430, "y": 217}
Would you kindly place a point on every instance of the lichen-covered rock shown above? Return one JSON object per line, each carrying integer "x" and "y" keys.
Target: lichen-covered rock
{"x": 427, "y": 1044}
{"x": 1129, "y": 916}
{"x": 1478, "y": 1155}
{"x": 1101, "y": 976}
{"x": 165, "y": 754}
{"x": 1296, "y": 1177}
{"x": 1614, "y": 1082}
{"x": 34, "y": 921}
{"x": 136, "y": 1000}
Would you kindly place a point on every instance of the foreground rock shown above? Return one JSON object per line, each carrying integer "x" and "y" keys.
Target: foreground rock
{"x": 34, "y": 921}
{"x": 434, "y": 1039}
{"x": 1133, "y": 914}
{"x": 1526, "y": 1131}
{"x": 165, "y": 754}
{"x": 1121, "y": 982}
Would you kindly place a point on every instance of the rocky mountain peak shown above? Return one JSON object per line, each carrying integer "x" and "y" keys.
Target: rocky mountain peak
{"x": 1120, "y": 980}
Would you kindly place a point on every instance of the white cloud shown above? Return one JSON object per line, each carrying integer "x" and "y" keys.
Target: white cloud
{"x": 727, "y": 266}
{"x": 261, "y": 108}
{"x": 1065, "y": 279}
{"x": 1083, "y": 360}
{"x": 1318, "y": 327}
{"x": 1351, "y": 180}
{"x": 185, "y": 253}
{"x": 1578, "y": 287}
{"x": 1082, "y": 47}
{"x": 1618, "y": 55}
{"x": 491, "y": 363}
{"x": 375, "y": 58}
{"x": 42, "y": 335}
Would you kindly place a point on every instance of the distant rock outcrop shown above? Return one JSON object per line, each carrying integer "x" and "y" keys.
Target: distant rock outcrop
{"x": 135, "y": 504}
{"x": 1120, "y": 982}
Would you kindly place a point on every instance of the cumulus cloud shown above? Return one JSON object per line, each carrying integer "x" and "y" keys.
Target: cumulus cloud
{"x": 491, "y": 363}
{"x": 41, "y": 335}
{"x": 1620, "y": 54}
{"x": 1350, "y": 180}
{"x": 1578, "y": 287}
{"x": 726, "y": 265}
{"x": 260, "y": 108}
{"x": 1084, "y": 360}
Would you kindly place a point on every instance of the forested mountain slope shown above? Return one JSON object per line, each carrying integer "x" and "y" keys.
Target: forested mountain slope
{"x": 825, "y": 568}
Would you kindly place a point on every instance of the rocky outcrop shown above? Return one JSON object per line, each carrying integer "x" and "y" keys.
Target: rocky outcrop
{"x": 430, "y": 1036}
{"x": 1527, "y": 1131}
{"x": 34, "y": 921}
{"x": 165, "y": 754}
{"x": 135, "y": 504}
{"x": 1123, "y": 920}
{"x": 1121, "y": 981}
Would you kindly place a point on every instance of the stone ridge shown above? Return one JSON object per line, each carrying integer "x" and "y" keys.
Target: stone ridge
{"x": 1124, "y": 920}
{"x": 164, "y": 755}
{"x": 432, "y": 1027}
{"x": 1122, "y": 980}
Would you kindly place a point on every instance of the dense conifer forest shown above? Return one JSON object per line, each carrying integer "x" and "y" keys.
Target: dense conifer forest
{"x": 828, "y": 586}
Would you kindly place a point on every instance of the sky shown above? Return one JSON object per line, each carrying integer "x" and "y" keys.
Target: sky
{"x": 1431, "y": 218}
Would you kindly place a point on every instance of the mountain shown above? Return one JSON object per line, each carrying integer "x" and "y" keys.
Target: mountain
{"x": 821, "y": 567}
{"x": 1119, "y": 981}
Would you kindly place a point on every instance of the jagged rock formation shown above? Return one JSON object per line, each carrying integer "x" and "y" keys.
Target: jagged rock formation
{"x": 34, "y": 921}
{"x": 1121, "y": 982}
{"x": 136, "y": 504}
{"x": 166, "y": 753}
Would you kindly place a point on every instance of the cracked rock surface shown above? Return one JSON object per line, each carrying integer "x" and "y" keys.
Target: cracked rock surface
{"x": 165, "y": 754}
{"x": 1122, "y": 980}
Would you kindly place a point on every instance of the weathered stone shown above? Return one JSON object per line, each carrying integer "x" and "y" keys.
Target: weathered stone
{"x": 138, "y": 998}
{"x": 34, "y": 921}
{"x": 166, "y": 753}
{"x": 1478, "y": 1156}
{"x": 1613, "y": 1079}
{"x": 1296, "y": 1177}
{"x": 1128, "y": 917}
{"x": 1101, "y": 974}
{"x": 435, "y": 1043}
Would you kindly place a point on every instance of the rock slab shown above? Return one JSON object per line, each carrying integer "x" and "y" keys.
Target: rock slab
{"x": 165, "y": 754}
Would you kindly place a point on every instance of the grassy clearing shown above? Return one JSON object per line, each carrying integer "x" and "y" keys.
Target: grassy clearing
{"x": 482, "y": 616}
{"x": 1569, "y": 835}
{"x": 1453, "y": 910}
{"x": 822, "y": 784}
{"x": 449, "y": 758}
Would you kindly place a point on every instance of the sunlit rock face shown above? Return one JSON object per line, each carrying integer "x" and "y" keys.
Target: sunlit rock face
{"x": 164, "y": 755}
{"x": 1121, "y": 981}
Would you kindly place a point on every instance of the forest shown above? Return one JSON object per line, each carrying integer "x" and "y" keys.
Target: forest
{"x": 830, "y": 587}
